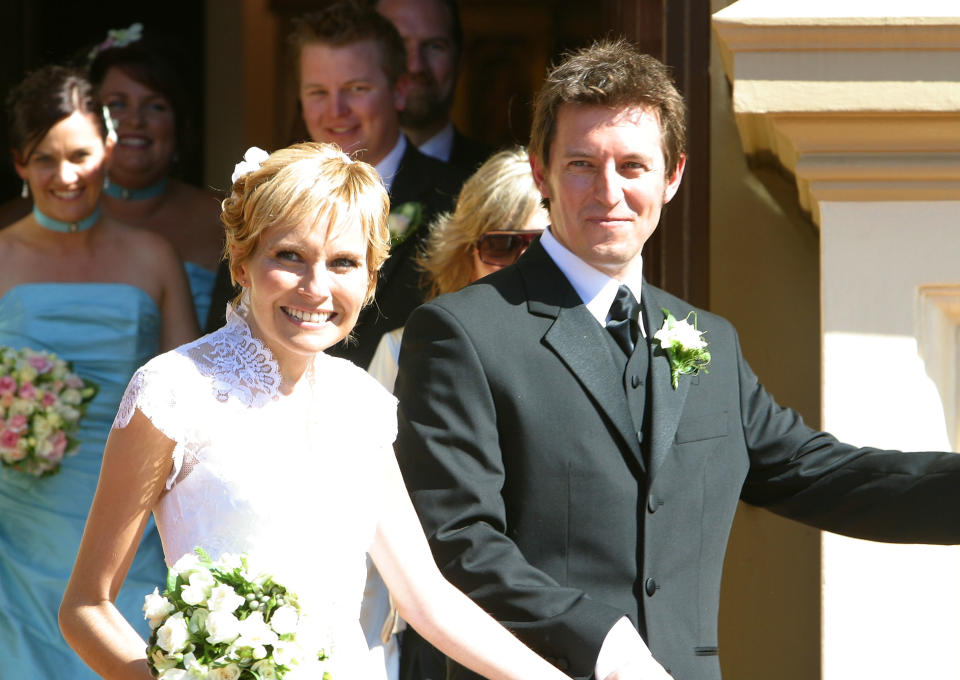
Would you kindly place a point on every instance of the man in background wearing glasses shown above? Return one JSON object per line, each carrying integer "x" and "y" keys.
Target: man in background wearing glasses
{"x": 572, "y": 474}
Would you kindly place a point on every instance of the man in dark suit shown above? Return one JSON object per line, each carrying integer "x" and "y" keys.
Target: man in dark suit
{"x": 352, "y": 85}
{"x": 569, "y": 479}
{"x": 433, "y": 38}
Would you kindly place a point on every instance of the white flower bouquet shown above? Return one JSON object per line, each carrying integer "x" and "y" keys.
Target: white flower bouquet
{"x": 226, "y": 620}
{"x": 41, "y": 403}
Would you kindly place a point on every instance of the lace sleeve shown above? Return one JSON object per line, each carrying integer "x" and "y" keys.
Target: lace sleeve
{"x": 152, "y": 391}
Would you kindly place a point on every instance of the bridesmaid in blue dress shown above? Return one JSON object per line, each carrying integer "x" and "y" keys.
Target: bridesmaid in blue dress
{"x": 102, "y": 295}
{"x": 138, "y": 83}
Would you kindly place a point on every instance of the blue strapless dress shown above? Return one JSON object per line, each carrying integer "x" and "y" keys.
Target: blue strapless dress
{"x": 201, "y": 288}
{"x": 107, "y": 330}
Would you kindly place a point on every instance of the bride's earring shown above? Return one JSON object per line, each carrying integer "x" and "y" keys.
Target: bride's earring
{"x": 25, "y": 191}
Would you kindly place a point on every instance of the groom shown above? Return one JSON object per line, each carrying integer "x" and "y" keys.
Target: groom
{"x": 564, "y": 482}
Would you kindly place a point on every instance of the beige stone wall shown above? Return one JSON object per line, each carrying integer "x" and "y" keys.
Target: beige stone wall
{"x": 857, "y": 105}
{"x": 764, "y": 277}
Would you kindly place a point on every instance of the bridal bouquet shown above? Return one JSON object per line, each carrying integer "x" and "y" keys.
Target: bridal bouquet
{"x": 226, "y": 620}
{"x": 41, "y": 404}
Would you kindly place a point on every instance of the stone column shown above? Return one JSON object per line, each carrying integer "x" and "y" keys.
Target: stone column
{"x": 860, "y": 104}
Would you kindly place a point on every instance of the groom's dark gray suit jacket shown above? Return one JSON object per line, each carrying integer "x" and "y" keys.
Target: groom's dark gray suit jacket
{"x": 540, "y": 500}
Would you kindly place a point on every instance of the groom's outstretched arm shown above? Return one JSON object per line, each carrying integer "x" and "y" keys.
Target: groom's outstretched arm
{"x": 449, "y": 449}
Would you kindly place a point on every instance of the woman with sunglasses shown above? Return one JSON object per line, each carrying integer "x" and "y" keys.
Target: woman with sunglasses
{"x": 498, "y": 215}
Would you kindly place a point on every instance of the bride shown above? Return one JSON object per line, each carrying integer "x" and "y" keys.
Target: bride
{"x": 252, "y": 440}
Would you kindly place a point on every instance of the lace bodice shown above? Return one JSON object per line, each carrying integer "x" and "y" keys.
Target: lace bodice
{"x": 294, "y": 479}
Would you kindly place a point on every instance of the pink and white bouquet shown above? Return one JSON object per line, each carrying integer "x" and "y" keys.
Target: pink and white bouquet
{"x": 227, "y": 620}
{"x": 41, "y": 404}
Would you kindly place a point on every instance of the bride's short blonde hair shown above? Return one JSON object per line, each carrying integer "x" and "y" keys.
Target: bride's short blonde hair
{"x": 307, "y": 182}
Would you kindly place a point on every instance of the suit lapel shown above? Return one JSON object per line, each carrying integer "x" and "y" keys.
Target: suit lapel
{"x": 577, "y": 339}
{"x": 666, "y": 403}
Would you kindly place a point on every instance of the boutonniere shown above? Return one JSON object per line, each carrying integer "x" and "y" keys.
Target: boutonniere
{"x": 403, "y": 220}
{"x": 684, "y": 346}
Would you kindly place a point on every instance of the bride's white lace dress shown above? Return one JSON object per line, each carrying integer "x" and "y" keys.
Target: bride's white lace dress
{"x": 292, "y": 479}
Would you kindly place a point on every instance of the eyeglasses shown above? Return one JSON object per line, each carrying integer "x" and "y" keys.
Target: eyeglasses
{"x": 500, "y": 248}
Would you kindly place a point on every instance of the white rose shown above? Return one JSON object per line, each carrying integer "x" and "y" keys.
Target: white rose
{"x": 71, "y": 396}
{"x": 231, "y": 672}
{"x": 688, "y": 336}
{"x": 174, "y": 674}
{"x": 229, "y": 561}
{"x": 41, "y": 427}
{"x": 224, "y": 598}
{"x": 198, "y": 590}
{"x": 288, "y": 653}
{"x": 195, "y": 669}
{"x": 156, "y": 608}
{"x": 265, "y": 669}
{"x": 255, "y": 634}
{"x": 222, "y": 626}
{"x": 188, "y": 564}
{"x": 284, "y": 620}
{"x": 172, "y": 635}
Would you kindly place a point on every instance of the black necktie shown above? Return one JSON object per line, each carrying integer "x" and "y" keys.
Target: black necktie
{"x": 623, "y": 324}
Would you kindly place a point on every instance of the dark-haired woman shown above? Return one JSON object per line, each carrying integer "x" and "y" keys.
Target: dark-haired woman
{"x": 102, "y": 295}
{"x": 139, "y": 85}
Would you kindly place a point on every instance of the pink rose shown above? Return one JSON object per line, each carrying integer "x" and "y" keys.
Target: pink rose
{"x": 9, "y": 440}
{"x": 7, "y": 385}
{"x": 41, "y": 363}
{"x": 6, "y": 399}
{"x": 74, "y": 381}
{"x": 49, "y": 399}
{"x": 17, "y": 423}
{"x": 27, "y": 391}
{"x": 59, "y": 440}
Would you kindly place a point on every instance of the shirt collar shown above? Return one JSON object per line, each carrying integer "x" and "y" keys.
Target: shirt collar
{"x": 596, "y": 289}
{"x": 389, "y": 164}
{"x": 440, "y": 146}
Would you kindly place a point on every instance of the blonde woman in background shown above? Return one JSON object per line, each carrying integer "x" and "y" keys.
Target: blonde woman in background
{"x": 498, "y": 215}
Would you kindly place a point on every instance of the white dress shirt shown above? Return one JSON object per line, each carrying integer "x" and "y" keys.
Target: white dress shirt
{"x": 389, "y": 164}
{"x": 440, "y": 146}
{"x": 596, "y": 289}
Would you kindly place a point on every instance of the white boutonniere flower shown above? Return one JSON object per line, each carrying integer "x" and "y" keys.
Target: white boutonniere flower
{"x": 684, "y": 346}
{"x": 404, "y": 220}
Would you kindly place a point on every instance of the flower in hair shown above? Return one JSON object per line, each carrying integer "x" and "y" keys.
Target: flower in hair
{"x": 252, "y": 160}
{"x": 118, "y": 37}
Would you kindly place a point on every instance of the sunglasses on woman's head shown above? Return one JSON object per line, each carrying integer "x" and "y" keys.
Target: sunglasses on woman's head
{"x": 500, "y": 248}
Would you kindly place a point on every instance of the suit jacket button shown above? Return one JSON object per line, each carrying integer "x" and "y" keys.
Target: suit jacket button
{"x": 651, "y": 586}
{"x": 635, "y": 381}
